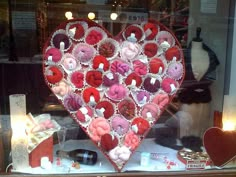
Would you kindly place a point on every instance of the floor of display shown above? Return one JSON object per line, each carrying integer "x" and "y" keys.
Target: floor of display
{"x": 166, "y": 161}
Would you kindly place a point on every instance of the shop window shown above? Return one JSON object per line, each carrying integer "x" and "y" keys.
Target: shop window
{"x": 183, "y": 69}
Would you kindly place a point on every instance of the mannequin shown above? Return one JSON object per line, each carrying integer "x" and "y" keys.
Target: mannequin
{"x": 200, "y": 60}
{"x": 192, "y": 119}
{"x": 195, "y": 94}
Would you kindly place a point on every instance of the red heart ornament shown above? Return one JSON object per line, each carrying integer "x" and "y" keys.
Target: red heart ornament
{"x": 113, "y": 86}
{"x": 220, "y": 145}
{"x": 108, "y": 142}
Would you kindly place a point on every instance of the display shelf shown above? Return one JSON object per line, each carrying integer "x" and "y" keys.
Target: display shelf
{"x": 22, "y": 60}
{"x": 132, "y": 168}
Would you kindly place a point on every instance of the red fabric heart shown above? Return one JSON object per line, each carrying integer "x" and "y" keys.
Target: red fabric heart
{"x": 94, "y": 78}
{"x": 156, "y": 66}
{"x": 115, "y": 86}
{"x": 127, "y": 108}
{"x": 93, "y": 37}
{"x": 89, "y": 93}
{"x": 77, "y": 79}
{"x": 105, "y": 108}
{"x": 173, "y": 52}
{"x": 220, "y": 145}
{"x": 100, "y": 60}
{"x": 150, "y": 30}
{"x": 78, "y": 27}
{"x": 137, "y": 31}
{"x": 108, "y": 142}
{"x": 140, "y": 125}
{"x": 84, "y": 114}
{"x": 54, "y": 53}
{"x": 53, "y": 74}
{"x": 150, "y": 49}
{"x": 133, "y": 77}
{"x": 107, "y": 49}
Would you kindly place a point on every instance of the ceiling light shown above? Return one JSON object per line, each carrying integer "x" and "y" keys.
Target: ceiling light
{"x": 69, "y": 15}
{"x": 91, "y": 15}
{"x": 113, "y": 16}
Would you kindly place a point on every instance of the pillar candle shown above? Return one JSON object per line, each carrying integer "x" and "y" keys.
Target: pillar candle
{"x": 229, "y": 112}
{"x": 19, "y": 140}
{"x": 19, "y": 150}
{"x": 17, "y": 110}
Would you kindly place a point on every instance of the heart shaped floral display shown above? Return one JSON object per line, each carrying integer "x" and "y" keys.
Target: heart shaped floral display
{"x": 114, "y": 88}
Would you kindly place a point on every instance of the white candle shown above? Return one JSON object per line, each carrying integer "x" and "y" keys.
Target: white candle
{"x": 153, "y": 80}
{"x": 17, "y": 110}
{"x": 133, "y": 82}
{"x": 62, "y": 46}
{"x": 160, "y": 70}
{"x": 19, "y": 140}
{"x": 149, "y": 115}
{"x": 110, "y": 76}
{"x": 92, "y": 100}
{"x": 101, "y": 66}
{"x": 19, "y": 150}
{"x": 45, "y": 163}
{"x": 148, "y": 32}
{"x": 145, "y": 158}
{"x": 229, "y": 113}
{"x": 50, "y": 58}
{"x": 173, "y": 88}
{"x": 84, "y": 110}
{"x": 72, "y": 31}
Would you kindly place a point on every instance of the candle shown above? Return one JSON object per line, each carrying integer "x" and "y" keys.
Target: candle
{"x": 62, "y": 46}
{"x": 19, "y": 140}
{"x": 160, "y": 70}
{"x": 19, "y": 150}
{"x": 72, "y": 31}
{"x": 229, "y": 113}
{"x": 149, "y": 115}
{"x": 153, "y": 80}
{"x": 49, "y": 58}
{"x": 101, "y": 66}
{"x": 145, "y": 157}
{"x": 17, "y": 110}
{"x": 133, "y": 82}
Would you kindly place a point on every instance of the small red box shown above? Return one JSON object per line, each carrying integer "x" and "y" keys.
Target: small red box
{"x": 44, "y": 149}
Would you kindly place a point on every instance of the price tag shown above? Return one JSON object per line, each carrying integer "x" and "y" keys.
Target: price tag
{"x": 196, "y": 165}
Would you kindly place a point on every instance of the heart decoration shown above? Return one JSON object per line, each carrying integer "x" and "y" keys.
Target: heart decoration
{"x": 220, "y": 145}
{"x": 115, "y": 88}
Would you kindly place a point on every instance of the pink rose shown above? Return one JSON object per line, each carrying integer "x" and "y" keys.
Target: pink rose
{"x": 130, "y": 51}
{"x": 131, "y": 140}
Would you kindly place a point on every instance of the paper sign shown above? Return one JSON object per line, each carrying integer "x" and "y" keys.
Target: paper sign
{"x": 196, "y": 165}
{"x": 208, "y": 6}
{"x": 22, "y": 20}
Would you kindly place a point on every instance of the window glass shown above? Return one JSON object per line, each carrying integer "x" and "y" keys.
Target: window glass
{"x": 179, "y": 60}
{"x": 4, "y": 33}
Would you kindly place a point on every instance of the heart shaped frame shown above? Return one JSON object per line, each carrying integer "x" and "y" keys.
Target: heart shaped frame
{"x": 115, "y": 88}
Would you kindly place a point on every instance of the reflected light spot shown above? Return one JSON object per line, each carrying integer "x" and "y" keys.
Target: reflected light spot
{"x": 69, "y": 15}
{"x": 91, "y": 15}
{"x": 113, "y": 16}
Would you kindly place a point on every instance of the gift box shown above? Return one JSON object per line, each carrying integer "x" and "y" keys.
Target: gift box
{"x": 44, "y": 149}
{"x": 40, "y": 142}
